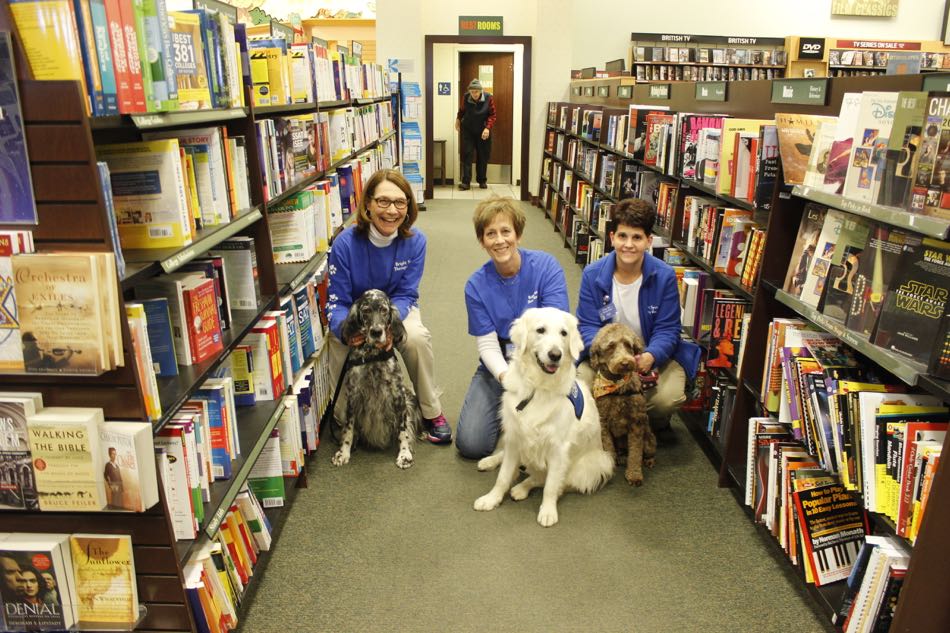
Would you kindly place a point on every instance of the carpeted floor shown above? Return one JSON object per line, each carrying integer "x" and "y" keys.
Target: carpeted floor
{"x": 368, "y": 547}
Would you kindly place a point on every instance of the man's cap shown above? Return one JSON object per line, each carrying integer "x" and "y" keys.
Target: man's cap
{"x": 475, "y": 85}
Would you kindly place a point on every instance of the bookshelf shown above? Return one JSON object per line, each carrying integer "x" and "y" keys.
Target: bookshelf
{"x": 669, "y": 57}
{"x": 61, "y": 141}
{"x": 922, "y": 606}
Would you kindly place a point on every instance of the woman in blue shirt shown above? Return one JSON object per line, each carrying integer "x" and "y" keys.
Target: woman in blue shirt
{"x": 513, "y": 280}
{"x": 383, "y": 252}
{"x": 633, "y": 287}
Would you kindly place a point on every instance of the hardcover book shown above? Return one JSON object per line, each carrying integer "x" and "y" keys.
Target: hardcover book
{"x": 916, "y": 302}
{"x": 160, "y": 337}
{"x": 128, "y": 453}
{"x": 104, "y": 572}
{"x": 724, "y": 334}
{"x": 17, "y": 480}
{"x": 33, "y": 607}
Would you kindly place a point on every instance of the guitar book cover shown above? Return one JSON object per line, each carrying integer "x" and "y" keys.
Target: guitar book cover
{"x": 839, "y": 291}
{"x": 917, "y": 301}
{"x": 806, "y": 243}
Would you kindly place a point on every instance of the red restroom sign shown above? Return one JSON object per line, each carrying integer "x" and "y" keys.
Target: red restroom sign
{"x": 481, "y": 25}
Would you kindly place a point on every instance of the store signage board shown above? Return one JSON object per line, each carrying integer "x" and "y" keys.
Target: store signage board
{"x": 800, "y": 91}
{"x": 660, "y": 91}
{"x": 682, "y": 38}
{"x": 603, "y": 91}
{"x": 282, "y": 30}
{"x": 710, "y": 91}
{"x": 589, "y": 73}
{"x": 615, "y": 66}
{"x": 811, "y": 48}
{"x": 937, "y": 82}
{"x": 879, "y": 45}
{"x": 481, "y": 25}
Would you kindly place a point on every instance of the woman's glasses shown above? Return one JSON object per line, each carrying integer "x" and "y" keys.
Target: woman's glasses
{"x": 384, "y": 203}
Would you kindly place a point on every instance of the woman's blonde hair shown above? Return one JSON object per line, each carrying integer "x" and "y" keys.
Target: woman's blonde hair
{"x": 490, "y": 208}
{"x": 363, "y": 220}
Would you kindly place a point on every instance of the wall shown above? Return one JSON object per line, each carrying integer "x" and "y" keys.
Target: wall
{"x": 401, "y": 28}
{"x": 596, "y": 40}
{"x": 445, "y": 108}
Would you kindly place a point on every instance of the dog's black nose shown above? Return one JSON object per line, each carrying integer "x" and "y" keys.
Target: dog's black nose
{"x": 376, "y": 332}
{"x": 554, "y": 355}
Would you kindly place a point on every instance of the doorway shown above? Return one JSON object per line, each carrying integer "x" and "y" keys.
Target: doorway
{"x": 495, "y": 71}
{"x": 443, "y": 91}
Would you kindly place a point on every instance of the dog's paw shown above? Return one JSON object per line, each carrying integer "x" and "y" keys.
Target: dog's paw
{"x": 548, "y": 515}
{"x": 489, "y": 463}
{"x": 620, "y": 459}
{"x": 487, "y": 502}
{"x": 520, "y": 492}
{"x": 649, "y": 462}
{"x": 340, "y": 458}
{"x": 404, "y": 460}
{"x": 634, "y": 478}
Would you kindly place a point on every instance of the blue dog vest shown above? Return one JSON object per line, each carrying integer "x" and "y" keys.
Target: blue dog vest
{"x": 575, "y": 396}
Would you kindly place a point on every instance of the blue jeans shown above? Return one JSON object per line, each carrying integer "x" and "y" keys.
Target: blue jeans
{"x": 479, "y": 425}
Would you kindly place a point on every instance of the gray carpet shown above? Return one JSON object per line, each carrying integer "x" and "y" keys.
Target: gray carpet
{"x": 370, "y": 548}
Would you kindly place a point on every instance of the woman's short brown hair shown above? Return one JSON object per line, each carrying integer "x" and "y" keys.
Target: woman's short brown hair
{"x": 363, "y": 221}
{"x": 490, "y": 208}
{"x": 635, "y": 213}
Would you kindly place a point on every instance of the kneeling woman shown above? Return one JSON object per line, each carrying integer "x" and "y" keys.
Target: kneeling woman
{"x": 513, "y": 280}
{"x": 383, "y": 252}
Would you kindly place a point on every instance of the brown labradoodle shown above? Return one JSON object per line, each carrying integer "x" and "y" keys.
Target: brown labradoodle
{"x": 624, "y": 424}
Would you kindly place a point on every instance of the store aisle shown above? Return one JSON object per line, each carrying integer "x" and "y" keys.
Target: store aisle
{"x": 368, "y": 547}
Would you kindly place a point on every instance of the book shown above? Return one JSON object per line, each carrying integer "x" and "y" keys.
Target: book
{"x": 104, "y": 572}
{"x": 142, "y": 355}
{"x": 18, "y": 485}
{"x": 160, "y": 339}
{"x": 901, "y": 153}
{"x": 724, "y": 334}
{"x": 916, "y": 302}
{"x": 804, "y": 252}
{"x": 241, "y": 274}
{"x": 868, "y": 149}
{"x": 191, "y": 71}
{"x": 816, "y": 279}
{"x": 833, "y": 526}
{"x": 266, "y": 477}
{"x": 11, "y": 344}
{"x": 840, "y": 152}
{"x": 796, "y": 134}
{"x": 876, "y": 267}
{"x": 18, "y": 204}
{"x": 64, "y": 443}
{"x": 62, "y": 301}
{"x": 931, "y": 192}
{"x": 34, "y": 607}
{"x": 201, "y": 315}
{"x": 843, "y": 270}
{"x": 128, "y": 453}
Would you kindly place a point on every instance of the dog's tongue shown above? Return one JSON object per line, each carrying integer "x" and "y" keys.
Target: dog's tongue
{"x": 549, "y": 367}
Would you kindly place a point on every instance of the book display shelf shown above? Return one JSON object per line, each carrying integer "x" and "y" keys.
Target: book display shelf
{"x": 62, "y": 142}
{"x": 922, "y": 607}
{"x": 838, "y": 57}
{"x": 689, "y": 57}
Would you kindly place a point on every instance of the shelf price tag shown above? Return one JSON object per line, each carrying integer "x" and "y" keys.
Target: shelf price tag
{"x": 938, "y": 82}
{"x": 603, "y": 91}
{"x": 710, "y": 91}
{"x": 660, "y": 91}
{"x": 800, "y": 91}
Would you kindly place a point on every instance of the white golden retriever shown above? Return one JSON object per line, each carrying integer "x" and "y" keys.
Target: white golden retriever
{"x": 560, "y": 451}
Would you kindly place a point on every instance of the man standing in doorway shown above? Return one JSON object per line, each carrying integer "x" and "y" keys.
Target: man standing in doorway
{"x": 475, "y": 120}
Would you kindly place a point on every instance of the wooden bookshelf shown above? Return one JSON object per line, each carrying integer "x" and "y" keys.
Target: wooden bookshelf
{"x": 61, "y": 141}
{"x": 922, "y": 607}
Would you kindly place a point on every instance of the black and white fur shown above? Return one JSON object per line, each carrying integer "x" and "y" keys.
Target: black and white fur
{"x": 559, "y": 451}
{"x": 379, "y": 406}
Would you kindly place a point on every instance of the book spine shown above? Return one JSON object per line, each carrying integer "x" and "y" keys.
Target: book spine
{"x": 132, "y": 55}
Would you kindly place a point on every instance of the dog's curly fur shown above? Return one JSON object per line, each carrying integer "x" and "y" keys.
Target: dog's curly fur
{"x": 379, "y": 406}
{"x": 625, "y": 427}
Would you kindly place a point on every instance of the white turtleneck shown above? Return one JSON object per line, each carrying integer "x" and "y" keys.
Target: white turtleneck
{"x": 378, "y": 239}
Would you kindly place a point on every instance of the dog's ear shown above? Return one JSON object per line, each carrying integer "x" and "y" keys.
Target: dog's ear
{"x": 351, "y": 324}
{"x": 519, "y": 334}
{"x": 575, "y": 342}
{"x": 596, "y": 356}
{"x": 395, "y": 326}
{"x": 638, "y": 345}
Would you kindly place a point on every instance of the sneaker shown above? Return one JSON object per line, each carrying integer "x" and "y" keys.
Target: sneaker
{"x": 463, "y": 186}
{"x": 483, "y": 185}
{"x": 437, "y": 430}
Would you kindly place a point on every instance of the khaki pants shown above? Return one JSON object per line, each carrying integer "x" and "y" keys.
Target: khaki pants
{"x": 416, "y": 353}
{"x": 664, "y": 399}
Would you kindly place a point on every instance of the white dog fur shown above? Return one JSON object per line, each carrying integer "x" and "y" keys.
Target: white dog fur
{"x": 559, "y": 452}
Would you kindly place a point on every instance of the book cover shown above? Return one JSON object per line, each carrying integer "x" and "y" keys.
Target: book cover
{"x": 806, "y": 244}
{"x": 266, "y": 478}
{"x": 201, "y": 314}
{"x": 931, "y": 190}
{"x": 796, "y": 134}
{"x": 767, "y": 166}
{"x": 104, "y": 570}
{"x": 64, "y": 443}
{"x": 194, "y": 91}
{"x": 731, "y": 129}
{"x": 128, "y": 453}
{"x": 913, "y": 308}
{"x": 17, "y": 205}
{"x": 820, "y": 155}
{"x": 845, "y": 261}
{"x": 690, "y": 127}
{"x": 817, "y": 276}
{"x": 901, "y": 153}
{"x": 170, "y": 441}
{"x": 59, "y": 297}
{"x": 142, "y": 355}
{"x": 160, "y": 337}
{"x": 876, "y": 267}
{"x": 17, "y": 480}
{"x": 840, "y": 152}
{"x": 241, "y": 274}
{"x": 724, "y": 332}
{"x": 33, "y": 606}
{"x": 242, "y": 370}
{"x": 833, "y": 526}
{"x": 868, "y": 149}
{"x": 11, "y": 346}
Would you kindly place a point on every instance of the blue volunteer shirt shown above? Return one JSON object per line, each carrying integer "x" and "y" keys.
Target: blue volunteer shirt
{"x": 357, "y": 266}
{"x": 493, "y": 301}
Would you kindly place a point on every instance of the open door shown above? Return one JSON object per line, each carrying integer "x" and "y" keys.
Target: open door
{"x": 496, "y": 73}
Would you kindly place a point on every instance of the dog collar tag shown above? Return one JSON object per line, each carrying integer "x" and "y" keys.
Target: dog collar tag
{"x": 607, "y": 313}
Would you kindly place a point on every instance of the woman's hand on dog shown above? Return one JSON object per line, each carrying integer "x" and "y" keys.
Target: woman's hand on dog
{"x": 645, "y": 362}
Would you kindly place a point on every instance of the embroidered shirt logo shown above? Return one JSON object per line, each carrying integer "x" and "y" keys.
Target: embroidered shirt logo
{"x": 401, "y": 266}
{"x": 653, "y": 309}
{"x": 532, "y": 298}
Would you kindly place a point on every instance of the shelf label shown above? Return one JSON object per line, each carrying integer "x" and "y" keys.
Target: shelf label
{"x": 800, "y": 91}
{"x": 710, "y": 91}
{"x": 603, "y": 91}
{"x": 625, "y": 92}
{"x": 938, "y": 82}
{"x": 660, "y": 91}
